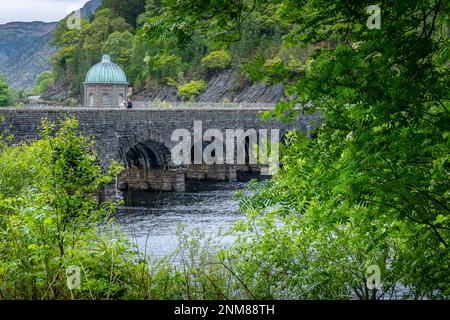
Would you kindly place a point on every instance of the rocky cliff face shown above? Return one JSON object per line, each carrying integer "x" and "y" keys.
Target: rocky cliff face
{"x": 24, "y": 48}
{"x": 225, "y": 86}
{"x": 24, "y": 51}
{"x": 233, "y": 87}
{"x": 90, "y": 7}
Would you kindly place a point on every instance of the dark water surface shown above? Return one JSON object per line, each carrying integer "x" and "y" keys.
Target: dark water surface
{"x": 151, "y": 219}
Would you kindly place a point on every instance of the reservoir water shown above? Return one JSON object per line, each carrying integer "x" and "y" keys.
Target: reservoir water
{"x": 151, "y": 219}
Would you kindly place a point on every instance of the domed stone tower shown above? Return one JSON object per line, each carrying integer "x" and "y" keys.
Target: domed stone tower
{"x": 106, "y": 85}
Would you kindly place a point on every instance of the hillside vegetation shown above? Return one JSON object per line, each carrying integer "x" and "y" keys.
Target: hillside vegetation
{"x": 155, "y": 64}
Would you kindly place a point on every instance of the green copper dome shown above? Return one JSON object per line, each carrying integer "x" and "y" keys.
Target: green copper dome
{"x": 106, "y": 72}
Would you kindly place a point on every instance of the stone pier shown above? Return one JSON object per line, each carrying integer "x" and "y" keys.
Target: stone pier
{"x": 153, "y": 179}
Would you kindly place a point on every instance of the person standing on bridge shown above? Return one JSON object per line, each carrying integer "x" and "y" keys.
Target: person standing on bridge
{"x": 130, "y": 105}
{"x": 123, "y": 105}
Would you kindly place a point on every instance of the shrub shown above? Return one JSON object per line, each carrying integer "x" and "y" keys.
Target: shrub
{"x": 71, "y": 102}
{"x": 219, "y": 59}
{"x": 48, "y": 220}
{"x": 192, "y": 89}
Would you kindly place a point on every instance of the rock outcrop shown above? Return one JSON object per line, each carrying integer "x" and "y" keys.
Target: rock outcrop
{"x": 228, "y": 85}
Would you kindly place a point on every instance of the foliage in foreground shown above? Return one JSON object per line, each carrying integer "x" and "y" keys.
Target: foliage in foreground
{"x": 49, "y": 216}
{"x": 372, "y": 189}
{"x": 50, "y": 220}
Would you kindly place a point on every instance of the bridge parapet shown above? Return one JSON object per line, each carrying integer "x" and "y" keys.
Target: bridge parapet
{"x": 163, "y": 105}
{"x": 202, "y": 105}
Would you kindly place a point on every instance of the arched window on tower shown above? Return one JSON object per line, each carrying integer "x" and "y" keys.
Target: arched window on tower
{"x": 106, "y": 100}
{"x": 91, "y": 100}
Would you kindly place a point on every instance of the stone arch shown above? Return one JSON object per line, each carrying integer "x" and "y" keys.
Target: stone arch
{"x": 148, "y": 165}
{"x": 148, "y": 154}
{"x": 145, "y": 150}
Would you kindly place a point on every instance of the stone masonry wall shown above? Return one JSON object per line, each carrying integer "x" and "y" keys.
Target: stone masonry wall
{"x": 115, "y": 131}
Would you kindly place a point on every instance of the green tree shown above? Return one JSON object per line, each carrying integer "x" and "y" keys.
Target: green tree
{"x": 373, "y": 187}
{"x": 44, "y": 81}
{"x": 48, "y": 217}
{"x": 7, "y": 96}
{"x": 127, "y": 9}
{"x": 165, "y": 65}
{"x": 119, "y": 46}
{"x": 80, "y": 49}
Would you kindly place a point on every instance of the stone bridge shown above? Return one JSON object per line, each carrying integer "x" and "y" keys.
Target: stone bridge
{"x": 141, "y": 138}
